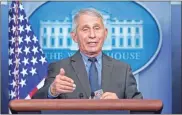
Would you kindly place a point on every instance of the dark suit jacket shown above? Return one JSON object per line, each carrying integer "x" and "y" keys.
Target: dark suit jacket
{"x": 116, "y": 77}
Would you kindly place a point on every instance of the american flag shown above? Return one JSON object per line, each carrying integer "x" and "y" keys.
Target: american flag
{"x": 27, "y": 63}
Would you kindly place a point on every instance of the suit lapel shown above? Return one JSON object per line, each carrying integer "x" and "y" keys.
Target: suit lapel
{"x": 107, "y": 67}
{"x": 80, "y": 70}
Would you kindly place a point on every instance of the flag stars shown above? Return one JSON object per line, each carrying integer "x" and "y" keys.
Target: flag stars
{"x": 21, "y": 7}
{"x": 28, "y": 28}
{"x": 26, "y": 19}
{"x": 27, "y": 39}
{"x": 13, "y": 83}
{"x": 34, "y": 60}
{"x": 21, "y": 18}
{"x": 24, "y": 72}
{"x": 15, "y": 6}
{"x": 43, "y": 60}
{"x": 15, "y": 72}
{"x": 17, "y": 61}
{"x": 21, "y": 28}
{"x": 9, "y": 29}
{"x": 27, "y": 50}
{"x": 13, "y": 29}
{"x": 22, "y": 82}
{"x": 14, "y": 18}
{"x": 9, "y": 72}
{"x": 41, "y": 50}
{"x": 25, "y": 61}
{"x": 11, "y": 51}
{"x": 9, "y": 18}
{"x": 19, "y": 50}
{"x": 10, "y": 62}
{"x": 12, "y": 94}
{"x": 35, "y": 50}
{"x": 20, "y": 39}
{"x": 35, "y": 39}
{"x": 33, "y": 71}
{"x": 12, "y": 40}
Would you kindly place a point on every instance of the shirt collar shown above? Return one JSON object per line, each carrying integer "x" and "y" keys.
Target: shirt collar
{"x": 85, "y": 58}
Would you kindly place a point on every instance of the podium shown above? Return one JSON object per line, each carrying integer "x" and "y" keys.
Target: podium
{"x": 132, "y": 105}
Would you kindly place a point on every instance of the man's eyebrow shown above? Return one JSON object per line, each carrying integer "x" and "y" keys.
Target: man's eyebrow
{"x": 97, "y": 24}
{"x": 85, "y": 26}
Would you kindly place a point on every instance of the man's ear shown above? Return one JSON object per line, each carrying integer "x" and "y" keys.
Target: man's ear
{"x": 74, "y": 36}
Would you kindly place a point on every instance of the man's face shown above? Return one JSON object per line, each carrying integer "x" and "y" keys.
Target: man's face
{"x": 90, "y": 34}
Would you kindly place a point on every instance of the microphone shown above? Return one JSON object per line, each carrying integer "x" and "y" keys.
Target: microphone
{"x": 81, "y": 96}
{"x": 92, "y": 95}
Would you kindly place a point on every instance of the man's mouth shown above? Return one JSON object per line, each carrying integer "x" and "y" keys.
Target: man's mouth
{"x": 92, "y": 43}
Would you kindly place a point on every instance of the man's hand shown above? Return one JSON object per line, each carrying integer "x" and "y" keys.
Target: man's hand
{"x": 109, "y": 95}
{"x": 62, "y": 84}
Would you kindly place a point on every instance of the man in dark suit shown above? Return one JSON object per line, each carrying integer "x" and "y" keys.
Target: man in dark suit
{"x": 89, "y": 69}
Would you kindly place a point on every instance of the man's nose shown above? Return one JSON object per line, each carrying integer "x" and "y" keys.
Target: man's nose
{"x": 92, "y": 33}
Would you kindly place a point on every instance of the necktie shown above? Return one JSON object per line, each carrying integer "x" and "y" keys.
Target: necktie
{"x": 93, "y": 75}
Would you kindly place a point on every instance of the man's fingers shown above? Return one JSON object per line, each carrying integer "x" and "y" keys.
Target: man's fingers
{"x": 62, "y": 72}
{"x": 63, "y": 84}
{"x": 64, "y": 78}
{"x": 64, "y": 87}
{"x": 109, "y": 95}
{"x": 105, "y": 94}
{"x": 67, "y": 84}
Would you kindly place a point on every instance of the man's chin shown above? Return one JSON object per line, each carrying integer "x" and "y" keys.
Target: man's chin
{"x": 94, "y": 52}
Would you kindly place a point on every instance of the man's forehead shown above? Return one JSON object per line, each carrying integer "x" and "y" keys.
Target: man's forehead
{"x": 89, "y": 19}
{"x": 88, "y": 16}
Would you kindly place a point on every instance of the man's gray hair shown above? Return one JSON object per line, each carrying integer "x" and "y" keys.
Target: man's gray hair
{"x": 89, "y": 11}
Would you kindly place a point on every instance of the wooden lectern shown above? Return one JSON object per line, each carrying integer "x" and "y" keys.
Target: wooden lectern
{"x": 132, "y": 105}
